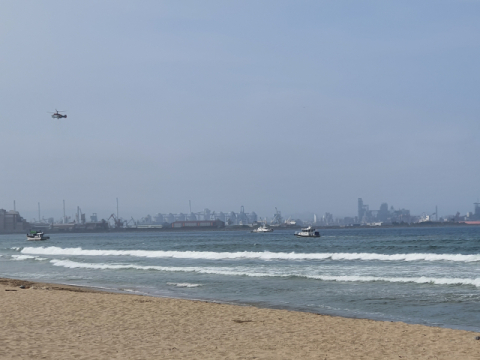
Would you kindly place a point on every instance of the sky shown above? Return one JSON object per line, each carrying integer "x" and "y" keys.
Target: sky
{"x": 301, "y": 105}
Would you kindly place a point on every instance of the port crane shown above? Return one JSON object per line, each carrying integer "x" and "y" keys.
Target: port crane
{"x": 118, "y": 223}
{"x": 131, "y": 221}
{"x": 277, "y": 218}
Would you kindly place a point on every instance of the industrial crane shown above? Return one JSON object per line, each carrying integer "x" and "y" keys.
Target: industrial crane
{"x": 118, "y": 222}
{"x": 277, "y": 218}
{"x": 132, "y": 221}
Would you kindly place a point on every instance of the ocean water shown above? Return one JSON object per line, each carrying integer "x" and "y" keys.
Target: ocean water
{"x": 425, "y": 276}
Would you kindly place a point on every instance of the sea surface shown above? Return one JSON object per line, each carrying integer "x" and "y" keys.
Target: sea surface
{"x": 425, "y": 276}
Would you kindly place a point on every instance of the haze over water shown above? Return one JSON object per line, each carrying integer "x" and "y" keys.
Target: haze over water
{"x": 417, "y": 275}
{"x": 304, "y": 106}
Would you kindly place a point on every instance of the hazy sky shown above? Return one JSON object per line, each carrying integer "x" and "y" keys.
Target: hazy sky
{"x": 299, "y": 105}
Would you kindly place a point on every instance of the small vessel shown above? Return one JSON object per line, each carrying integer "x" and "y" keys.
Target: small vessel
{"x": 262, "y": 229}
{"x": 37, "y": 235}
{"x": 307, "y": 232}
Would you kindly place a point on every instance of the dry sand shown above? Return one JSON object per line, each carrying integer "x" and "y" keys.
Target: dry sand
{"x": 46, "y": 321}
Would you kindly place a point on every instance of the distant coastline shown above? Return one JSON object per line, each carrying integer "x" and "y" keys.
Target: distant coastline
{"x": 246, "y": 228}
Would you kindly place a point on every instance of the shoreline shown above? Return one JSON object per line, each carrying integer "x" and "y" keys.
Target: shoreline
{"x": 64, "y": 321}
{"x": 108, "y": 290}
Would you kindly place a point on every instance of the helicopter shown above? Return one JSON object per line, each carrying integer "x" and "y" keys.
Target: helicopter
{"x": 57, "y": 115}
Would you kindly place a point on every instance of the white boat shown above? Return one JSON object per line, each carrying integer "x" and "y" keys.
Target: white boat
{"x": 262, "y": 229}
{"x": 307, "y": 232}
{"x": 37, "y": 235}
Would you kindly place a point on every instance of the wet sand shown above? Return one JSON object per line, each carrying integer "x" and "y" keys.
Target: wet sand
{"x": 47, "y": 321}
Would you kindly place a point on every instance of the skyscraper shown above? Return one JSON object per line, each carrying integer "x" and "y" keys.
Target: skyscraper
{"x": 361, "y": 209}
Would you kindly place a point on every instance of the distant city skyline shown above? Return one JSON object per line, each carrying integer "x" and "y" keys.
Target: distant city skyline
{"x": 71, "y": 211}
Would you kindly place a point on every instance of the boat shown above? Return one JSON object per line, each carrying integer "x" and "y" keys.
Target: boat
{"x": 307, "y": 232}
{"x": 262, "y": 229}
{"x": 37, "y": 235}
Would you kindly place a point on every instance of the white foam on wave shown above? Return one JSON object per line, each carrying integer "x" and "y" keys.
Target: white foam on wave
{"x": 129, "y": 290}
{"x": 23, "y": 257}
{"x": 266, "y": 255}
{"x": 186, "y": 285}
{"x": 201, "y": 270}
{"x": 239, "y": 271}
{"x": 417, "y": 280}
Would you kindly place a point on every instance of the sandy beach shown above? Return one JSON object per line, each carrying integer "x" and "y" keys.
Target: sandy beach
{"x": 47, "y": 321}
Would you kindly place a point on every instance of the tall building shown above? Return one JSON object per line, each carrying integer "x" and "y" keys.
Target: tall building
{"x": 361, "y": 209}
{"x": 383, "y": 213}
{"x": 12, "y": 222}
{"x": 477, "y": 211}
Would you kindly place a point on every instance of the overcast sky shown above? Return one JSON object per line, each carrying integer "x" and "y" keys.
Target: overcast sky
{"x": 301, "y": 105}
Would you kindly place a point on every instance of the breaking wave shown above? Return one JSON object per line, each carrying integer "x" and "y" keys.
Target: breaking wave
{"x": 252, "y": 273}
{"x": 209, "y": 255}
{"x": 27, "y": 257}
{"x": 186, "y": 285}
